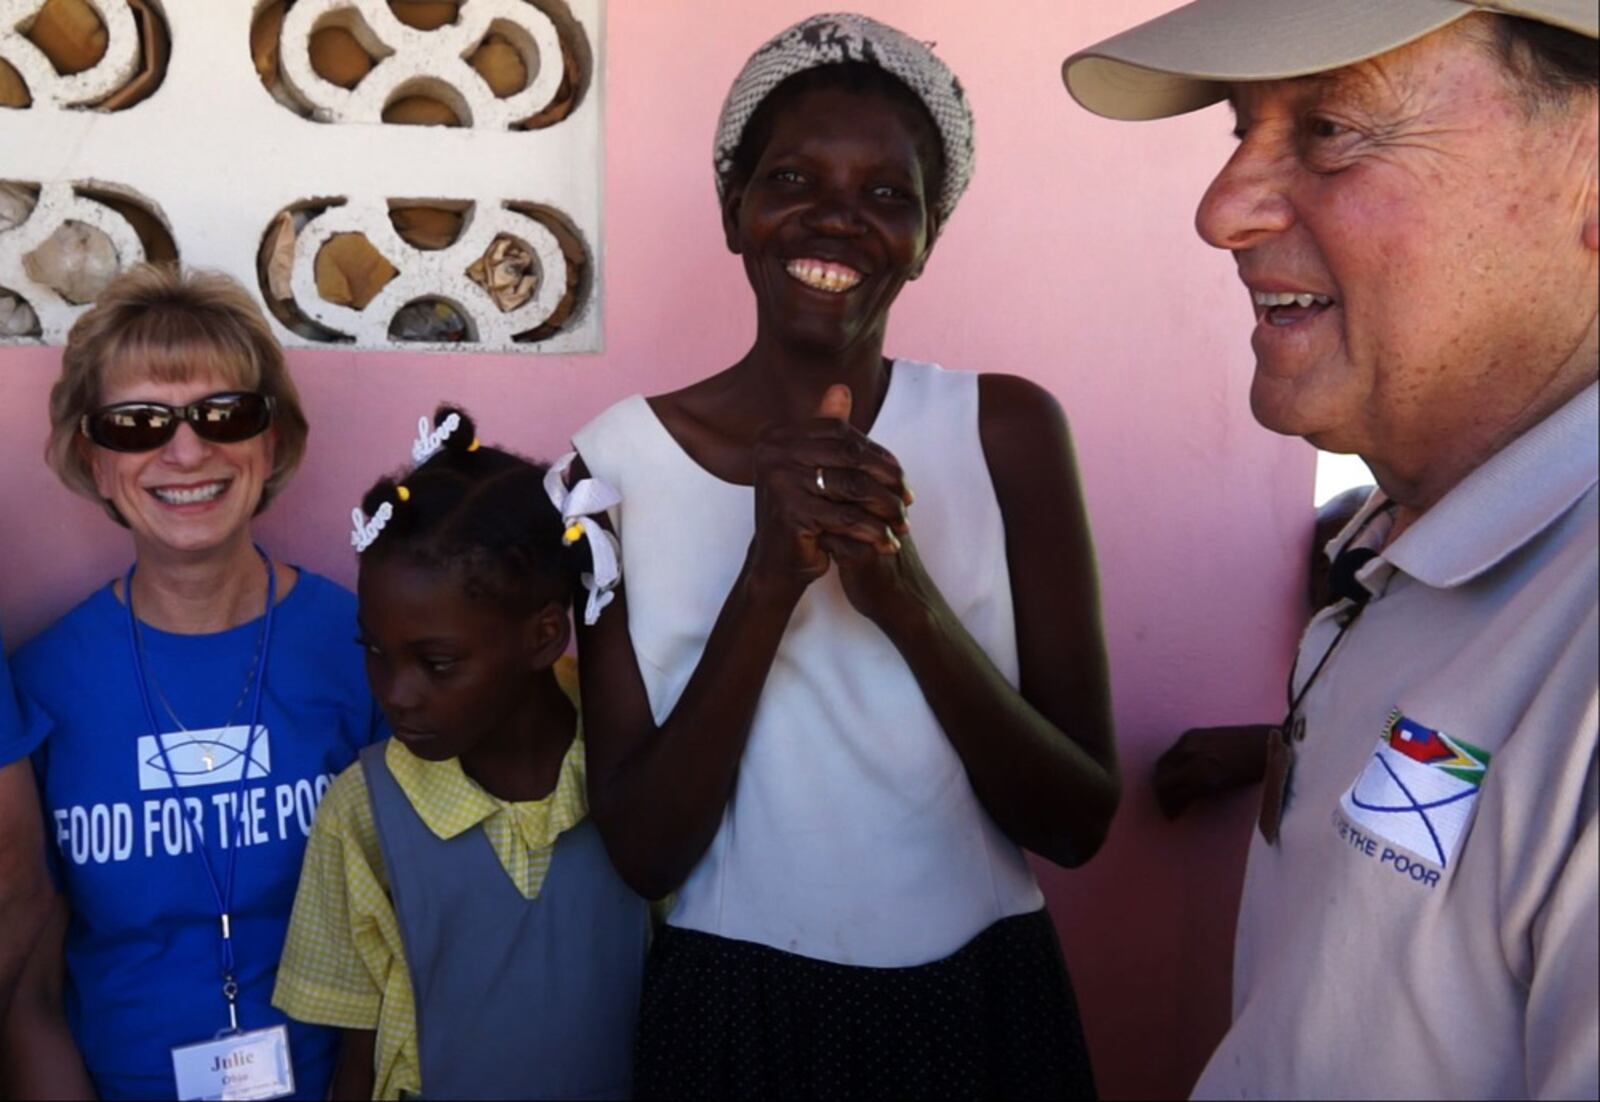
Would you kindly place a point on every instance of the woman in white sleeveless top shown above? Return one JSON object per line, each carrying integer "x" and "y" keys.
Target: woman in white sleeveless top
{"x": 835, "y": 711}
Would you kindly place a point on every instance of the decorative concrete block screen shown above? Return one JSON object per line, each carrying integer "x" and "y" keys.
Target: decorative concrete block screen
{"x": 381, "y": 173}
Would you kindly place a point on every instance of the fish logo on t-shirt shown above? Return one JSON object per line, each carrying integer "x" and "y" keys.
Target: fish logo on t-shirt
{"x": 1418, "y": 789}
{"x": 197, "y": 758}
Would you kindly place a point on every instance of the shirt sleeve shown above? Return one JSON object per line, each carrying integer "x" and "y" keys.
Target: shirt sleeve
{"x": 343, "y": 939}
{"x": 1563, "y": 1021}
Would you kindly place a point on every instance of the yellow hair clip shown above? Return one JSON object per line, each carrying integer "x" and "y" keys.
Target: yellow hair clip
{"x": 402, "y": 493}
{"x": 475, "y": 445}
{"x": 573, "y": 534}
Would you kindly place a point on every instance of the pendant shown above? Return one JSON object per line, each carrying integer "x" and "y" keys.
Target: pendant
{"x": 1275, "y": 790}
{"x": 208, "y": 760}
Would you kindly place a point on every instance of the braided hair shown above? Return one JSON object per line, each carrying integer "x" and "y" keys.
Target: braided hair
{"x": 483, "y": 513}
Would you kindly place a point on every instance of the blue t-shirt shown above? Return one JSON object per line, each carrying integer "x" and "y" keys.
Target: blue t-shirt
{"x": 143, "y": 951}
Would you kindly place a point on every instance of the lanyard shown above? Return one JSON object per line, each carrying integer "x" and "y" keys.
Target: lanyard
{"x": 1342, "y": 578}
{"x": 1280, "y": 746}
{"x": 1294, "y": 698}
{"x": 222, "y": 893}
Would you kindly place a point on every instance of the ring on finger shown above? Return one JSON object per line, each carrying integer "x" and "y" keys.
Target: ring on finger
{"x": 822, "y": 483}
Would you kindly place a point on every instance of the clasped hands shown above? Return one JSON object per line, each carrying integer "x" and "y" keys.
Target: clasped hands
{"x": 825, "y": 493}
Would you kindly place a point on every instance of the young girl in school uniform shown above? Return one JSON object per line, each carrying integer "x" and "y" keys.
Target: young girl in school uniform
{"x": 457, "y": 915}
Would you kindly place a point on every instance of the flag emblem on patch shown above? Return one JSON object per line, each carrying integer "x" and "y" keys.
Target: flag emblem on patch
{"x": 1418, "y": 789}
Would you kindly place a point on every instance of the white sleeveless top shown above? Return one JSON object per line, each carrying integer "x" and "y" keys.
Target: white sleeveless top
{"x": 853, "y": 834}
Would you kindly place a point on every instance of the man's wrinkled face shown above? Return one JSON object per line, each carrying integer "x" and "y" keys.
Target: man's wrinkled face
{"x": 1413, "y": 242}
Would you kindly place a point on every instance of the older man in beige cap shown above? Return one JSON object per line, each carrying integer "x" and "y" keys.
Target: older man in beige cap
{"x": 1414, "y": 209}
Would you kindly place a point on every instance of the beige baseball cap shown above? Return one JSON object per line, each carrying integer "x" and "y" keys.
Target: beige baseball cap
{"x": 1186, "y": 59}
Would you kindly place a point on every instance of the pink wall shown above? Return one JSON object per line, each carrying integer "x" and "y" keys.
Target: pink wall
{"x": 1073, "y": 261}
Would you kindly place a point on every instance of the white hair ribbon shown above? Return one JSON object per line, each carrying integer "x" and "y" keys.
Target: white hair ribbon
{"x": 578, "y": 506}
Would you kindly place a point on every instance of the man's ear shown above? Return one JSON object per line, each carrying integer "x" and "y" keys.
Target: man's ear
{"x": 1591, "y": 198}
{"x": 546, "y": 634}
{"x": 1591, "y": 218}
{"x": 730, "y": 216}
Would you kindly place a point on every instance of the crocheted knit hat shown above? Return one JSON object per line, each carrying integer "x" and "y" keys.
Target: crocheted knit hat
{"x": 837, "y": 38}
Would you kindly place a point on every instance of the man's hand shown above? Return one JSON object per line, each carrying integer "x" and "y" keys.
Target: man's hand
{"x": 1208, "y": 761}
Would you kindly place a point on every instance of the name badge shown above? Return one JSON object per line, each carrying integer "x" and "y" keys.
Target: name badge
{"x": 252, "y": 1064}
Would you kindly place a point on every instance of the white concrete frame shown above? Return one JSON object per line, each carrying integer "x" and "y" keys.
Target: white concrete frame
{"x": 216, "y": 158}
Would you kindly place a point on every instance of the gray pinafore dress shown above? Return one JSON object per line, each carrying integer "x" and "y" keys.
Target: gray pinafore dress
{"x": 515, "y": 997}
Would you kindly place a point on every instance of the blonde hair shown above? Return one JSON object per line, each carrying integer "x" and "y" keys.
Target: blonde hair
{"x": 169, "y": 325}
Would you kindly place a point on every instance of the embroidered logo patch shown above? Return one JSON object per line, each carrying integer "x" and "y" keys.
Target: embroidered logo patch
{"x": 1418, "y": 789}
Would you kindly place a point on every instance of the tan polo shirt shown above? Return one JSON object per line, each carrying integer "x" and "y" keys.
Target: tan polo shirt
{"x": 1427, "y": 925}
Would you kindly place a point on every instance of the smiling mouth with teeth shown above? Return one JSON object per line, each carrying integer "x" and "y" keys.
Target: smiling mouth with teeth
{"x": 1289, "y": 307}
{"x": 188, "y": 495}
{"x": 823, "y": 275}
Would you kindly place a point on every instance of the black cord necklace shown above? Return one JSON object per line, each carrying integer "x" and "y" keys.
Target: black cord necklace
{"x": 1281, "y": 740}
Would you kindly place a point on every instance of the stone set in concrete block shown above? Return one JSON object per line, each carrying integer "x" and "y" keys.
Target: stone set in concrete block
{"x": 58, "y": 204}
{"x": 94, "y": 84}
{"x": 429, "y": 274}
{"x": 215, "y": 158}
{"x": 432, "y": 63}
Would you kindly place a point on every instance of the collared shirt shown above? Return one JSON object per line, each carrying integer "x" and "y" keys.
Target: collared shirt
{"x": 343, "y": 962}
{"x": 1427, "y": 925}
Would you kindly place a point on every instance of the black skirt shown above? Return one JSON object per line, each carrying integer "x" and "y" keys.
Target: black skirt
{"x": 734, "y": 1019}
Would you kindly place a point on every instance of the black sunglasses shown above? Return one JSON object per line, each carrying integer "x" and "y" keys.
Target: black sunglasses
{"x": 145, "y": 426}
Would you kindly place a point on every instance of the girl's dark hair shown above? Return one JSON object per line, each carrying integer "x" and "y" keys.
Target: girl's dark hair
{"x": 859, "y": 77}
{"x": 482, "y": 512}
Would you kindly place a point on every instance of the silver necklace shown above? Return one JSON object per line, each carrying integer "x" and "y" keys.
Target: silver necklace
{"x": 206, "y": 757}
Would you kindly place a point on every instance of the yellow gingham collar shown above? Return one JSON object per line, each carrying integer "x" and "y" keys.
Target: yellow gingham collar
{"x": 450, "y": 802}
